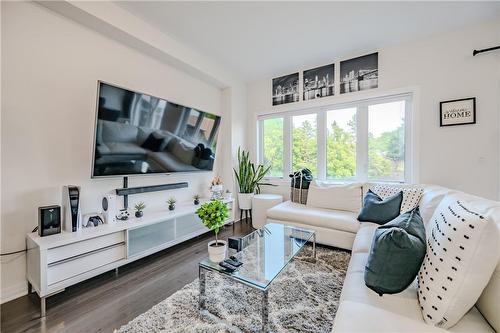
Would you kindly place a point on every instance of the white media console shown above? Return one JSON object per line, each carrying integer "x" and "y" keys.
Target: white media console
{"x": 59, "y": 261}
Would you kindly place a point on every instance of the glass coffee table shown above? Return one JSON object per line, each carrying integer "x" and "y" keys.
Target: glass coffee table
{"x": 264, "y": 254}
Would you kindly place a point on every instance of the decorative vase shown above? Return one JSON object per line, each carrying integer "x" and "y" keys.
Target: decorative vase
{"x": 217, "y": 253}
{"x": 171, "y": 207}
{"x": 245, "y": 200}
{"x": 217, "y": 192}
{"x": 139, "y": 213}
{"x": 196, "y": 202}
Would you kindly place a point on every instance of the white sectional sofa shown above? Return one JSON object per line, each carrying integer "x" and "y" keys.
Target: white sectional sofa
{"x": 360, "y": 308}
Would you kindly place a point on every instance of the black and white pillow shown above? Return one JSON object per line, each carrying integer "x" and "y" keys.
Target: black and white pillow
{"x": 411, "y": 194}
{"x": 462, "y": 252}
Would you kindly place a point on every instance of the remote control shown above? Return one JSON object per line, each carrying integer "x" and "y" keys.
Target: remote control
{"x": 234, "y": 262}
{"x": 227, "y": 266}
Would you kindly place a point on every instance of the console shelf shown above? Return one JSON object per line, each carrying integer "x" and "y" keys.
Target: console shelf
{"x": 59, "y": 261}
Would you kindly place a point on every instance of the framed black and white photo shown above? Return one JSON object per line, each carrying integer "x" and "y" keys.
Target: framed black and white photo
{"x": 358, "y": 74}
{"x": 286, "y": 89}
{"x": 319, "y": 82}
{"x": 457, "y": 112}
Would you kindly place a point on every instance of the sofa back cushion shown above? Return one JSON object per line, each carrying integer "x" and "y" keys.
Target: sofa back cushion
{"x": 462, "y": 252}
{"x": 411, "y": 194}
{"x": 118, "y": 132}
{"x": 346, "y": 197}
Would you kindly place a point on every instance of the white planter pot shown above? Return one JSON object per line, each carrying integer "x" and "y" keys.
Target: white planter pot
{"x": 245, "y": 200}
{"x": 217, "y": 253}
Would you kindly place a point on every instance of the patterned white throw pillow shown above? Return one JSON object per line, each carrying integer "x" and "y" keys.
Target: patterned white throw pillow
{"x": 411, "y": 194}
{"x": 462, "y": 252}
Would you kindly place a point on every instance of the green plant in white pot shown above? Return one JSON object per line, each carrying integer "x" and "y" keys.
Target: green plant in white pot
{"x": 249, "y": 178}
{"x": 213, "y": 214}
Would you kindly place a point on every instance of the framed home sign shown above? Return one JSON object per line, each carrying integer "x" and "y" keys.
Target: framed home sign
{"x": 458, "y": 112}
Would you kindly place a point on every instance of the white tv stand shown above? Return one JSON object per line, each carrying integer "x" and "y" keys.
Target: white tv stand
{"x": 59, "y": 261}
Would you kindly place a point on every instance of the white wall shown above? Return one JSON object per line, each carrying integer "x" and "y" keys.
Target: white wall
{"x": 50, "y": 68}
{"x": 438, "y": 68}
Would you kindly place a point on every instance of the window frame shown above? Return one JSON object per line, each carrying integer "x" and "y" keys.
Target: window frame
{"x": 361, "y": 137}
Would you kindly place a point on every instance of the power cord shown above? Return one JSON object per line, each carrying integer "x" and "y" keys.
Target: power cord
{"x": 19, "y": 251}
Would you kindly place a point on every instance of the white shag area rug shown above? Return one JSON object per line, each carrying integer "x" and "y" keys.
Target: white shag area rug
{"x": 304, "y": 298}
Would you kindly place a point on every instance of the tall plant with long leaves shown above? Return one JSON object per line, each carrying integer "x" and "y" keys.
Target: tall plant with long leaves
{"x": 248, "y": 176}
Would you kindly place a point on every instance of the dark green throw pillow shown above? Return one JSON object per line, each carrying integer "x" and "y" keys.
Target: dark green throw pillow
{"x": 380, "y": 211}
{"x": 397, "y": 251}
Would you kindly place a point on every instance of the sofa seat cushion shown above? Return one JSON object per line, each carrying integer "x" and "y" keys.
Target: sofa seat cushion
{"x": 359, "y": 317}
{"x": 325, "y": 218}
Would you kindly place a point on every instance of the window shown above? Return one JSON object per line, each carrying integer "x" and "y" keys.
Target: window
{"x": 386, "y": 141}
{"x": 341, "y": 144}
{"x": 365, "y": 141}
{"x": 305, "y": 143}
{"x": 272, "y": 145}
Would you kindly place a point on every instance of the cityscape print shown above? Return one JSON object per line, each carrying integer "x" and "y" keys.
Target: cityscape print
{"x": 319, "y": 82}
{"x": 286, "y": 89}
{"x": 359, "y": 73}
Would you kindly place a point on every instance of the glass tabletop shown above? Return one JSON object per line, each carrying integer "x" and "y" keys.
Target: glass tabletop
{"x": 265, "y": 253}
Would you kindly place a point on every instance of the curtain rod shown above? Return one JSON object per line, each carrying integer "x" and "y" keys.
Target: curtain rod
{"x": 485, "y": 50}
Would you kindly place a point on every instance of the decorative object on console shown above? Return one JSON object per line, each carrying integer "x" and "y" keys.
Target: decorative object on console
{"x": 457, "y": 112}
{"x": 196, "y": 198}
{"x": 380, "y": 211}
{"x": 462, "y": 253}
{"x": 319, "y": 82}
{"x": 300, "y": 185}
{"x": 411, "y": 194}
{"x": 123, "y": 215}
{"x": 92, "y": 220}
{"x": 109, "y": 208}
{"x": 71, "y": 208}
{"x": 249, "y": 179}
{"x": 216, "y": 189}
{"x": 213, "y": 214}
{"x": 139, "y": 208}
{"x": 49, "y": 220}
{"x": 396, "y": 254}
{"x": 285, "y": 89}
{"x": 359, "y": 73}
{"x": 171, "y": 203}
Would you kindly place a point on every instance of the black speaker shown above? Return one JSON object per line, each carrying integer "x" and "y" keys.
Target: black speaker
{"x": 49, "y": 220}
{"x": 234, "y": 243}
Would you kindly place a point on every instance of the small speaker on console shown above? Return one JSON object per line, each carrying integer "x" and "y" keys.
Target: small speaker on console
{"x": 49, "y": 220}
{"x": 109, "y": 208}
{"x": 234, "y": 243}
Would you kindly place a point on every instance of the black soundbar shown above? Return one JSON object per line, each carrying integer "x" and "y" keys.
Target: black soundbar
{"x": 152, "y": 188}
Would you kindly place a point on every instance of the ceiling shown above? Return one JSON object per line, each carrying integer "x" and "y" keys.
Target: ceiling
{"x": 262, "y": 39}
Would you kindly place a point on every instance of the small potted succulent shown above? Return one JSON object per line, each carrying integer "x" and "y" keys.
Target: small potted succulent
{"x": 196, "y": 199}
{"x": 213, "y": 214}
{"x": 139, "y": 207}
{"x": 171, "y": 203}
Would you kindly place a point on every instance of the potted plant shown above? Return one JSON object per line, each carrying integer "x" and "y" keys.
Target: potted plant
{"x": 196, "y": 199}
{"x": 249, "y": 178}
{"x": 139, "y": 207}
{"x": 171, "y": 203}
{"x": 213, "y": 214}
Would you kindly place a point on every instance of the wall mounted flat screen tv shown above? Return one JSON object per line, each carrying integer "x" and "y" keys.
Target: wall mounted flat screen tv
{"x": 138, "y": 134}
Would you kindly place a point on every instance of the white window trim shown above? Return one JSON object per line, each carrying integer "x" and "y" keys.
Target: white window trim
{"x": 361, "y": 136}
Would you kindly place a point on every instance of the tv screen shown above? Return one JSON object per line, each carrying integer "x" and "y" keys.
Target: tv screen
{"x": 137, "y": 134}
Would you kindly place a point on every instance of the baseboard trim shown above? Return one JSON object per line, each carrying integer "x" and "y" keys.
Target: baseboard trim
{"x": 15, "y": 291}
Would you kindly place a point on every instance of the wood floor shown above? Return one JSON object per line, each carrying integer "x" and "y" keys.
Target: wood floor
{"x": 104, "y": 303}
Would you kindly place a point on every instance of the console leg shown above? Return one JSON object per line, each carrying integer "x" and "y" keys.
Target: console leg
{"x": 43, "y": 307}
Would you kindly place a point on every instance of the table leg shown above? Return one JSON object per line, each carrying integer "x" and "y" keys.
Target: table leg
{"x": 202, "y": 282}
{"x": 265, "y": 311}
{"x": 314, "y": 246}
